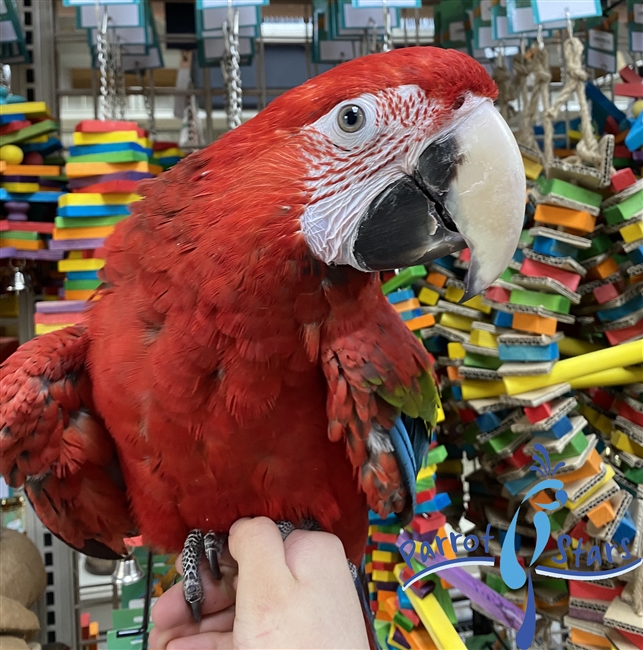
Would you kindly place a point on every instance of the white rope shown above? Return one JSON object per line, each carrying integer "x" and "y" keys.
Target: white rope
{"x": 638, "y": 591}
{"x": 505, "y": 90}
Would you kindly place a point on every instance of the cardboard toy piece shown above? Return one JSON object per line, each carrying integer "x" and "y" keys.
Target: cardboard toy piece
{"x": 535, "y": 397}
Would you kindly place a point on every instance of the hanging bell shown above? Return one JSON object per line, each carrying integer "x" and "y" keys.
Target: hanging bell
{"x": 19, "y": 283}
{"x": 127, "y": 571}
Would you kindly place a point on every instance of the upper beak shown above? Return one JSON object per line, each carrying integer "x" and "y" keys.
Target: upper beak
{"x": 468, "y": 190}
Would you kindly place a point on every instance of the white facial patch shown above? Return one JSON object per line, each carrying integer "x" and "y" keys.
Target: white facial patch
{"x": 348, "y": 170}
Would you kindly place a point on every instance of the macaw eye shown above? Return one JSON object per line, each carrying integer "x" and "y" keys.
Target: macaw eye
{"x": 351, "y": 118}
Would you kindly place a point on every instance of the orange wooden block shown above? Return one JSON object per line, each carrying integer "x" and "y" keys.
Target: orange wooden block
{"x": 390, "y": 606}
{"x": 534, "y": 323}
{"x": 30, "y": 170}
{"x": 453, "y": 374}
{"x": 603, "y": 270}
{"x": 602, "y": 514}
{"x": 381, "y": 615}
{"x": 383, "y": 596}
{"x": 541, "y": 497}
{"x": 23, "y": 244}
{"x": 589, "y": 468}
{"x": 368, "y": 568}
{"x": 566, "y": 217}
{"x": 78, "y": 294}
{"x": 419, "y": 639}
{"x": 83, "y": 233}
{"x": 582, "y": 638}
{"x": 564, "y": 153}
{"x": 436, "y": 279}
{"x": 407, "y": 305}
{"x": 426, "y": 320}
{"x": 448, "y": 552}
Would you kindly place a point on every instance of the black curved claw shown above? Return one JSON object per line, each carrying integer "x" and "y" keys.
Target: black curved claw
{"x": 213, "y": 561}
{"x": 196, "y": 610}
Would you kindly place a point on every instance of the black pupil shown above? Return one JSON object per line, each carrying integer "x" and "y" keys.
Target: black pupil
{"x": 351, "y": 116}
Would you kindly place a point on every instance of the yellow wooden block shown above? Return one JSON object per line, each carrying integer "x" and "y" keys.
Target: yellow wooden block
{"x": 372, "y": 587}
{"x": 31, "y": 109}
{"x": 479, "y": 389}
{"x": 570, "y": 347}
{"x": 81, "y": 199}
{"x": 624, "y": 443}
{"x": 433, "y": 617}
{"x": 484, "y": 339}
{"x": 476, "y": 303}
{"x": 104, "y": 138}
{"x": 39, "y": 139}
{"x": 440, "y": 414}
{"x": 385, "y": 556}
{"x": 80, "y": 170}
{"x": 166, "y": 153}
{"x": 39, "y": 328}
{"x": 532, "y": 169}
{"x": 390, "y": 641}
{"x": 450, "y": 466}
{"x": 428, "y": 296}
{"x": 89, "y": 264}
{"x": 456, "y": 350}
{"x": 603, "y": 424}
{"x": 609, "y": 474}
{"x": 20, "y": 188}
{"x": 426, "y": 472}
{"x": 632, "y": 232}
{"x": 454, "y": 294}
{"x": 456, "y": 321}
{"x": 383, "y": 576}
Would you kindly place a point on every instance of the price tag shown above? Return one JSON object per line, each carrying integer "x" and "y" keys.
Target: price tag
{"x": 482, "y": 35}
{"x": 602, "y": 43}
{"x": 546, "y": 11}
{"x": 635, "y": 24}
{"x": 520, "y": 16}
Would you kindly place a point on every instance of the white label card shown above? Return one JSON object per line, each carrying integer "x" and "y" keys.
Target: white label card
{"x": 601, "y": 40}
{"x": 601, "y": 60}
{"x": 485, "y": 37}
{"x": 7, "y": 32}
{"x": 456, "y": 32}
{"x": 546, "y": 11}
{"x": 638, "y": 13}
{"x": 485, "y": 9}
{"x": 637, "y": 41}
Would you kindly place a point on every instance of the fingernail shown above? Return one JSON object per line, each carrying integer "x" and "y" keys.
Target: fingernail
{"x": 236, "y": 524}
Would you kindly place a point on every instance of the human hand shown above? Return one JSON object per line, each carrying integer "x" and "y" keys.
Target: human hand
{"x": 293, "y": 594}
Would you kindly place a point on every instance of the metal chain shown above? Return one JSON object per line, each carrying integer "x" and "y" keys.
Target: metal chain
{"x": 5, "y": 78}
{"x": 121, "y": 99}
{"x": 101, "y": 48}
{"x": 231, "y": 68}
{"x": 192, "y": 116}
{"x": 387, "y": 45}
{"x": 148, "y": 104}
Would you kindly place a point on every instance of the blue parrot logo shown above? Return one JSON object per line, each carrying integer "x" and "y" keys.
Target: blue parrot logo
{"x": 512, "y": 573}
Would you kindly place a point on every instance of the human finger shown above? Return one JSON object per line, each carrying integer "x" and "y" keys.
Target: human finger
{"x": 222, "y": 621}
{"x": 207, "y": 641}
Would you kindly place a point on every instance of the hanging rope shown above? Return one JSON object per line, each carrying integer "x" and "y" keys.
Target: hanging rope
{"x": 149, "y": 109}
{"x": 231, "y": 68}
{"x": 638, "y": 591}
{"x": 587, "y": 150}
{"x": 505, "y": 90}
{"x": 121, "y": 100}
{"x": 387, "y": 45}
{"x": 522, "y": 69}
{"x": 101, "y": 49}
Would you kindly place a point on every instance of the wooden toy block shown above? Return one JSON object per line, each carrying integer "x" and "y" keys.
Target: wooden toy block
{"x": 477, "y": 303}
{"x": 555, "y": 248}
{"x": 87, "y": 222}
{"x": 624, "y": 443}
{"x": 482, "y": 361}
{"x": 21, "y": 188}
{"x": 456, "y": 351}
{"x": 107, "y": 126}
{"x": 532, "y": 268}
{"x": 603, "y": 269}
{"x": 484, "y": 338}
{"x": 73, "y": 199}
{"x": 555, "y": 216}
{"x": 563, "y": 189}
{"x": 634, "y": 138}
{"x": 624, "y": 210}
{"x": 82, "y": 233}
{"x": 454, "y": 294}
{"x": 404, "y": 279}
{"x": 420, "y": 322}
{"x": 29, "y": 170}
{"x": 532, "y": 169}
{"x": 402, "y": 295}
{"x": 110, "y": 157}
{"x": 436, "y": 279}
{"x": 632, "y": 232}
{"x": 534, "y": 323}
{"x": 79, "y": 170}
{"x": 583, "y": 639}
{"x": 31, "y": 109}
{"x": 455, "y": 321}
{"x": 536, "y": 413}
{"x": 428, "y": 296}
{"x": 23, "y": 244}
{"x": 616, "y": 337}
{"x": 39, "y": 128}
{"x": 597, "y": 97}
{"x": 407, "y": 305}
{"x": 602, "y": 514}
{"x": 81, "y": 138}
{"x": 605, "y": 293}
{"x": 14, "y": 125}
{"x": 552, "y": 302}
{"x": 82, "y": 264}
{"x": 528, "y": 353}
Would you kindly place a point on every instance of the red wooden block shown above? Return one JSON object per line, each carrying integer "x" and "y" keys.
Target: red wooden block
{"x": 43, "y": 227}
{"x": 467, "y": 415}
{"x": 611, "y": 126}
{"x": 605, "y": 293}
{"x": 618, "y": 336}
{"x": 384, "y": 538}
{"x": 621, "y": 151}
{"x": 629, "y": 90}
{"x": 579, "y": 530}
{"x": 635, "y": 639}
{"x": 629, "y": 75}
{"x": 384, "y": 566}
{"x": 537, "y": 413}
{"x": 582, "y": 589}
{"x": 601, "y": 398}
{"x": 426, "y": 524}
{"x": 107, "y": 126}
{"x": 465, "y": 255}
{"x": 16, "y": 125}
{"x": 498, "y": 294}
{"x": 411, "y": 615}
{"x": 427, "y": 495}
{"x": 621, "y": 179}
{"x": 532, "y": 268}
{"x": 626, "y": 411}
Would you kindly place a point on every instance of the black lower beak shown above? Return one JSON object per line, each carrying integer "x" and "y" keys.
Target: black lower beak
{"x": 405, "y": 226}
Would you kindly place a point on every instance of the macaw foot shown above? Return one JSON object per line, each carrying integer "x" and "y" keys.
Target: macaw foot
{"x": 309, "y": 524}
{"x": 195, "y": 545}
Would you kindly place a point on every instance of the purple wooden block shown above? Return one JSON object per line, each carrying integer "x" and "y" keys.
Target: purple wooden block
{"x": 398, "y": 637}
{"x": 60, "y": 307}
{"x": 46, "y": 255}
{"x": 75, "y": 244}
{"x": 586, "y": 614}
{"x": 16, "y": 210}
{"x": 637, "y": 156}
{"x": 426, "y": 537}
{"x": 486, "y": 598}
{"x": 19, "y": 179}
{"x": 422, "y": 590}
{"x": 387, "y": 586}
{"x": 6, "y": 252}
{"x": 77, "y": 183}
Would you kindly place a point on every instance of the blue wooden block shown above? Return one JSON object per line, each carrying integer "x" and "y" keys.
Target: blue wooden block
{"x": 553, "y": 247}
{"x": 43, "y": 148}
{"x": 531, "y": 353}
{"x": 619, "y": 312}
{"x": 375, "y": 520}
{"x": 447, "y": 262}
{"x": 92, "y": 210}
{"x": 82, "y": 275}
{"x": 636, "y": 255}
{"x": 634, "y": 139}
{"x": 400, "y": 296}
{"x": 502, "y": 319}
{"x": 403, "y": 599}
{"x": 488, "y": 422}
{"x": 558, "y": 429}
{"x": 517, "y": 540}
{"x": 596, "y": 96}
{"x": 411, "y": 314}
{"x": 438, "y": 502}
{"x": 518, "y": 256}
{"x": 388, "y": 547}
{"x": 625, "y": 530}
{"x": 456, "y": 391}
{"x": 15, "y": 117}
{"x": 86, "y": 149}
{"x": 35, "y": 197}
{"x": 519, "y": 484}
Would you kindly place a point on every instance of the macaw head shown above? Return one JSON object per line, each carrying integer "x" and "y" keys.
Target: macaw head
{"x": 405, "y": 160}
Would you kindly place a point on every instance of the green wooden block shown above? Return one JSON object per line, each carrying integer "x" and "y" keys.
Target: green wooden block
{"x": 368, "y": 558}
{"x": 381, "y": 632}
{"x": 481, "y": 361}
{"x": 403, "y": 622}
{"x": 600, "y": 244}
{"x": 553, "y": 583}
{"x": 625, "y": 209}
{"x": 425, "y": 484}
{"x": 496, "y": 583}
{"x": 82, "y": 285}
{"x": 404, "y": 278}
{"x": 550, "y": 301}
{"x": 87, "y": 222}
{"x": 507, "y": 274}
{"x": 479, "y": 642}
{"x": 563, "y": 189}
{"x": 112, "y": 157}
{"x": 33, "y": 131}
{"x": 390, "y": 530}
{"x": 635, "y": 475}
{"x": 526, "y": 238}
{"x": 499, "y": 442}
{"x": 436, "y": 455}
{"x": 18, "y": 234}
{"x": 575, "y": 447}
{"x": 443, "y": 598}
{"x": 557, "y": 519}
